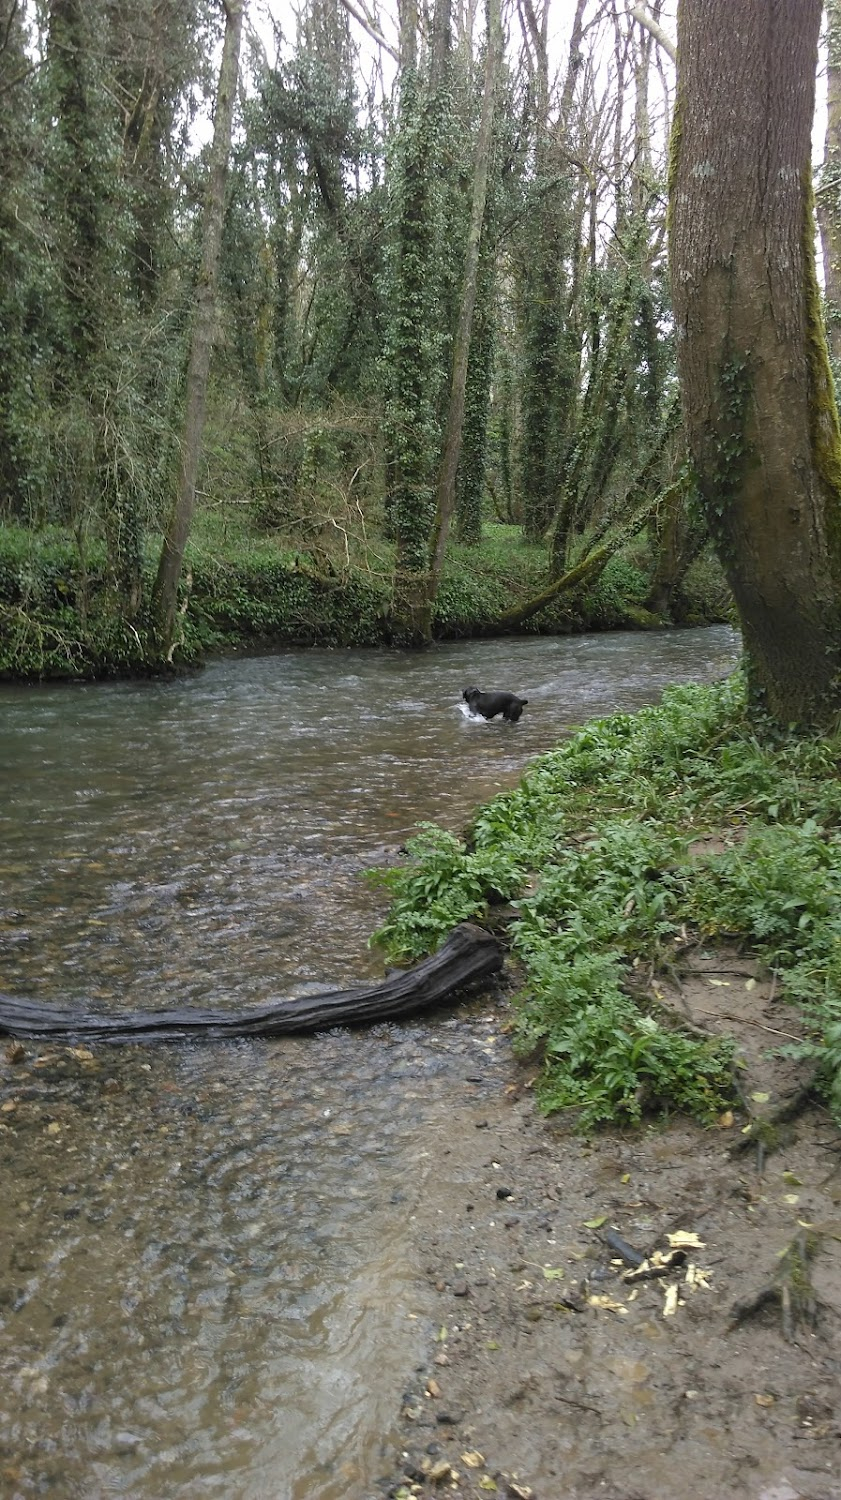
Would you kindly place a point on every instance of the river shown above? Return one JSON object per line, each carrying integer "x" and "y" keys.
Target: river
{"x": 205, "y": 1273}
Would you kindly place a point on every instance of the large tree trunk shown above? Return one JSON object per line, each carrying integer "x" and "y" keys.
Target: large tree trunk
{"x": 760, "y": 413}
{"x": 165, "y": 596}
{"x": 470, "y": 954}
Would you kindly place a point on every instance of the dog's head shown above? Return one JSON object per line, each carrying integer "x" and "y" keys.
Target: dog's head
{"x": 471, "y": 692}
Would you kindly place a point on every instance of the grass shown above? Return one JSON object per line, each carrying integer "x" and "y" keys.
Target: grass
{"x": 593, "y": 848}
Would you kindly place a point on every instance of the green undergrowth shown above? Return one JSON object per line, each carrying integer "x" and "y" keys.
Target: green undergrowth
{"x": 62, "y": 614}
{"x": 594, "y": 849}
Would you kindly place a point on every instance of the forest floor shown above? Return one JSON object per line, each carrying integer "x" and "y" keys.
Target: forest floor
{"x": 549, "y": 1374}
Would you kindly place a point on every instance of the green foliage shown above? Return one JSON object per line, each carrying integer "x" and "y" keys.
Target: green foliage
{"x": 617, "y": 897}
{"x": 620, "y": 584}
{"x": 781, "y": 888}
{"x": 58, "y": 616}
{"x": 444, "y": 885}
{"x": 613, "y": 1063}
{"x": 313, "y": 585}
{"x": 606, "y": 823}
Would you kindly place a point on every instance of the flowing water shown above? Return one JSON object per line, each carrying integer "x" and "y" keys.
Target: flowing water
{"x": 204, "y": 1264}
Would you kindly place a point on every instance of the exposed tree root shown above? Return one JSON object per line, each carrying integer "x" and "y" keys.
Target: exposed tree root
{"x": 790, "y": 1290}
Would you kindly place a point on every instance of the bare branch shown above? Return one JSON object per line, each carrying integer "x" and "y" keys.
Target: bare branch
{"x": 641, "y": 16}
{"x": 367, "y": 23}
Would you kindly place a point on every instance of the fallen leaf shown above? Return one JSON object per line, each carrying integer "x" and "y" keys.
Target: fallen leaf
{"x": 432, "y": 1387}
{"x": 626, "y": 1177}
{"x": 602, "y": 1300}
{"x": 791, "y": 1179}
{"x": 760, "y": 1098}
{"x": 53, "y": 1128}
{"x": 486, "y": 1483}
{"x": 763, "y": 1399}
{"x": 595, "y": 1223}
{"x": 554, "y": 1273}
{"x": 791, "y": 1198}
{"x": 685, "y": 1239}
{"x": 722, "y": 984}
{"x": 670, "y": 1303}
{"x": 8, "y": 1107}
{"x": 750, "y": 984}
{"x": 726, "y": 1121}
{"x": 439, "y": 1471}
{"x": 473, "y": 1459}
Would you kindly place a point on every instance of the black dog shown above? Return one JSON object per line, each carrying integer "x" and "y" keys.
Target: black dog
{"x": 491, "y": 704}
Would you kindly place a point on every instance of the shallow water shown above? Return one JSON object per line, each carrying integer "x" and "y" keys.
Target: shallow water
{"x": 204, "y": 1276}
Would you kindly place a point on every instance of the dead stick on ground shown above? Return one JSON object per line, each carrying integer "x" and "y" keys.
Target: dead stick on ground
{"x": 744, "y": 1021}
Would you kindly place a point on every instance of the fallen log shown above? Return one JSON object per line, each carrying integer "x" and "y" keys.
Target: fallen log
{"x": 468, "y": 955}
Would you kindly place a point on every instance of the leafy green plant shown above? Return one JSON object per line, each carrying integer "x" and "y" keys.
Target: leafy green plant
{"x": 444, "y": 884}
{"x": 612, "y": 1062}
{"x": 595, "y": 846}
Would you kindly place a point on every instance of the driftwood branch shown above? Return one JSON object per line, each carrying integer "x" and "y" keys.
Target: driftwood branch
{"x": 469, "y": 955}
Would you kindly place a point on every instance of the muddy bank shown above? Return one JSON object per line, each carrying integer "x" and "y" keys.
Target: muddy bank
{"x": 551, "y": 1376}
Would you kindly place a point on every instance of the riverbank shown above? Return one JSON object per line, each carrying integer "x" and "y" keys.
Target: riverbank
{"x": 60, "y": 618}
{"x": 549, "y": 1375}
{"x": 675, "y": 948}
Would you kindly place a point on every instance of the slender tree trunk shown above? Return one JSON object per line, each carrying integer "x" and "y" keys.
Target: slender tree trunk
{"x": 165, "y": 595}
{"x": 18, "y": 401}
{"x": 757, "y": 393}
{"x": 446, "y": 494}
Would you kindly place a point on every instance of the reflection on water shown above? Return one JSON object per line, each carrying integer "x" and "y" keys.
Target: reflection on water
{"x": 204, "y": 1286}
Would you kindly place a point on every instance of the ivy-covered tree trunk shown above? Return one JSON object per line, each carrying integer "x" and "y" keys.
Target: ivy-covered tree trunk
{"x": 446, "y": 494}
{"x": 470, "y": 478}
{"x": 415, "y": 335}
{"x": 165, "y": 595}
{"x": 94, "y": 472}
{"x": 759, "y": 407}
{"x": 412, "y": 421}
